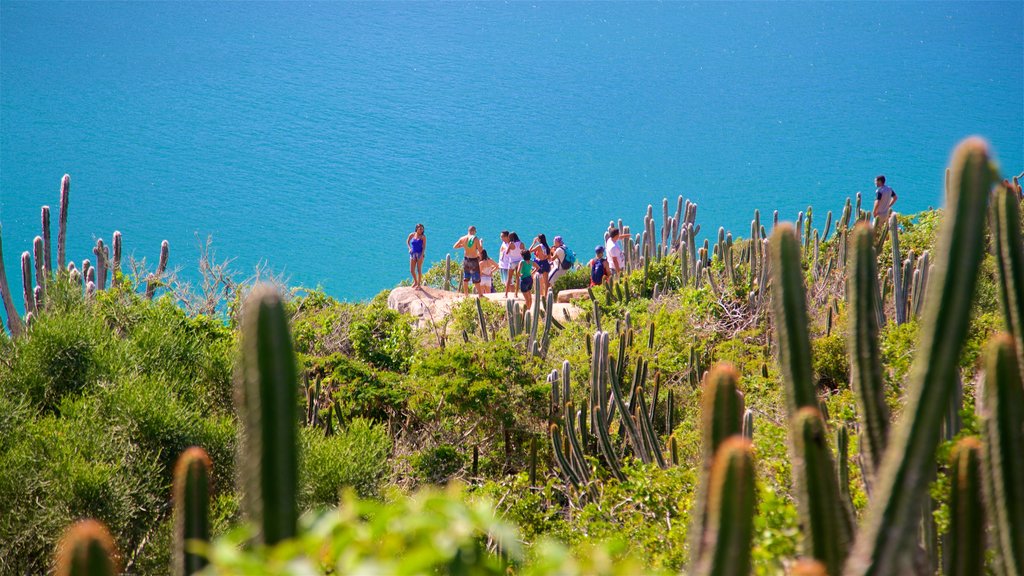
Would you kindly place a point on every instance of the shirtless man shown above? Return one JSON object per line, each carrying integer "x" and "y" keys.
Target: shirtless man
{"x": 472, "y": 247}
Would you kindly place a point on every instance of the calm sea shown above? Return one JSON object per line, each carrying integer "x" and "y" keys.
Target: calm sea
{"x": 314, "y": 136}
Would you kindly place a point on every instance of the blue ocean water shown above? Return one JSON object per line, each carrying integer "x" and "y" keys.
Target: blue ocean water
{"x": 314, "y": 136}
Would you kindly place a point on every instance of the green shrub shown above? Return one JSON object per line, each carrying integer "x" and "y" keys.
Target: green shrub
{"x": 434, "y": 276}
{"x": 831, "y": 362}
{"x": 356, "y": 457}
{"x": 491, "y": 381}
{"x": 465, "y": 317}
{"x": 194, "y": 356}
{"x": 578, "y": 277}
{"x": 69, "y": 466}
{"x": 164, "y": 425}
{"x": 320, "y": 324}
{"x": 383, "y": 337}
{"x": 64, "y": 354}
{"x": 359, "y": 389}
{"x": 438, "y": 464}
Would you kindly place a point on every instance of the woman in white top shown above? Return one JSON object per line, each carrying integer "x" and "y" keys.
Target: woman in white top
{"x": 503, "y": 257}
{"x": 514, "y": 253}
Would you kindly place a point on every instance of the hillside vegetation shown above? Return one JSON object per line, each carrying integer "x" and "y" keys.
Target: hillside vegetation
{"x": 828, "y": 397}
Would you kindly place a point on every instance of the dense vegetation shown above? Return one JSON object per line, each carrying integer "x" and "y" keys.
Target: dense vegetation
{"x": 105, "y": 388}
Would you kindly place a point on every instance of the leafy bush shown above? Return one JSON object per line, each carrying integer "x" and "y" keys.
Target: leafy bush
{"x": 164, "y": 425}
{"x": 358, "y": 388}
{"x": 438, "y": 464}
{"x": 321, "y": 325}
{"x": 383, "y": 337}
{"x": 487, "y": 380}
{"x": 64, "y": 355}
{"x": 356, "y": 457}
{"x": 578, "y": 277}
{"x": 70, "y": 466}
{"x": 831, "y": 363}
{"x": 467, "y": 319}
{"x": 194, "y": 356}
{"x": 434, "y": 276}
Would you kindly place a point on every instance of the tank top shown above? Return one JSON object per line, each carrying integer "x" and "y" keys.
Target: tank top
{"x": 514, "y": 252}
{"x": 527, "y": 269}
{"x": 417, "y": 245}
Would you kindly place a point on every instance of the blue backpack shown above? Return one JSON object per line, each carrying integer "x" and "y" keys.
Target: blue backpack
{"x": 569, "y": 259}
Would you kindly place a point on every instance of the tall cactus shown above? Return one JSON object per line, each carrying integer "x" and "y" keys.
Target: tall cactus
{"x": 266, "y": 392}
{"x": 1008, "y": 244}
{"x": 789, "y": 305}
{"x": 865, "y": 358}
{"x": 192, "y": 479}
{"x": 1003, "y": 412}
{"x": 730, "y": 527}
{"x": 965, "y": 550}
{"x": 827, "y": 524}
{"x": 161, "y": 267}
{"x": 40, "y": 271}
{"x": 13, "y": 319}
{"x": 87, "y": 550}
{"x": 62, "y": 220}
{"x": 26, "y": 282}
{"x": 48, "y": 261}
{"x": 902, "y": 480}
{"x": 722, "y": 418}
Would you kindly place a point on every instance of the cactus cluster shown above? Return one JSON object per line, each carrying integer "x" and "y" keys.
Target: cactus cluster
{"x": 573, "y": 440}
{"x": 37, "y": 270}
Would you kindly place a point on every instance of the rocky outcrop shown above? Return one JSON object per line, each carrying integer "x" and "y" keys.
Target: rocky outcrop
{"x": 431, "y": 304}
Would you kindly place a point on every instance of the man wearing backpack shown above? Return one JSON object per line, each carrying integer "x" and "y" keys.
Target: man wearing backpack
{"x": 562, "y": 259}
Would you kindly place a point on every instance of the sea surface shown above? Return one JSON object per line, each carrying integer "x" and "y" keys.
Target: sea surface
{"x": 312, "y": 137}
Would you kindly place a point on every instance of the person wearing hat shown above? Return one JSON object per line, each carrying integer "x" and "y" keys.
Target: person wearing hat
{"x": 598, "y": 267}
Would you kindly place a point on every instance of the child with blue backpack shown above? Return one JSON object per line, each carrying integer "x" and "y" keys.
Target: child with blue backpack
{"x": 598, "y": 267}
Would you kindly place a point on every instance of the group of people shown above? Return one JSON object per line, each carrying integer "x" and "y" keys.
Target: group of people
{"x": 521, "y": 268}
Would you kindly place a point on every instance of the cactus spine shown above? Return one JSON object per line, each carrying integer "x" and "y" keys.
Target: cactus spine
{"x": 865, "y": 358}
{"x": 901, "y": 482}
{"x": 192, "y": 479}
{"x": 1003, "y": 412}
{"x": 966, "y": 543}
{"x": 266, "y": 392}
{"x": 730, "y": 526}
{"x": 87, "y": 550}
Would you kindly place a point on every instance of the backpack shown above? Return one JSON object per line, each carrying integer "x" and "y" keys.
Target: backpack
{"x": 569, "y": 259}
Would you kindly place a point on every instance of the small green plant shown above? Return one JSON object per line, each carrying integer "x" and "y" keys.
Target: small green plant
{"x": 437, "y": 465}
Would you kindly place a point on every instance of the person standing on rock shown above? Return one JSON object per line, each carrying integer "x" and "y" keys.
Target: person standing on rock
{"x": 504, "y": 258}
{"x": 417, "y": 243}
{"x": 472, "y": 247}
{"x": 487, "y": 269}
